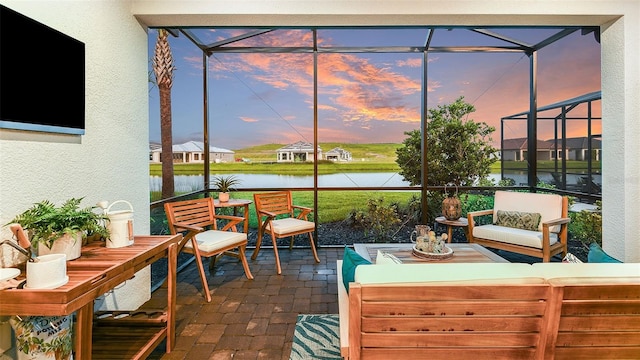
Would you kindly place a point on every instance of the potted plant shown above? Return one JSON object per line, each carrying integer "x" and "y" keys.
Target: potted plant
{"x": 224, "y": 184}
{"x": 52, "y": 228}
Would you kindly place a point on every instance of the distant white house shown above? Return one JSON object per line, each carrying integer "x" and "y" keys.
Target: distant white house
{"x": 299, "y": 151}
{"x": 577, "y": 149}
{"x": 193, "y": 152}
{"x": 338, "y": 154}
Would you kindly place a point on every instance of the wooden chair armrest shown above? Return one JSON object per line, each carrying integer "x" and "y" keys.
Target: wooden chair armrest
{"x": 267, "y": 213}
{"x": 304, "y": 208}
{"x": 473, "y": 214}
{"x": 304, "y": 211}
{"x": 480, "y": 213}
{"x": 559, "y": 221}
{"x": 232, "y": 221}
{"x": 196, "y": 229}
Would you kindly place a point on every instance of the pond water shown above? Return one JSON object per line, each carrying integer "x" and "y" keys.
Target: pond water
{"x": 189, "y": 183}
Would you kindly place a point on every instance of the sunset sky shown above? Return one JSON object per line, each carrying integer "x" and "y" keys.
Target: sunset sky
{"x": 365, "y": 98}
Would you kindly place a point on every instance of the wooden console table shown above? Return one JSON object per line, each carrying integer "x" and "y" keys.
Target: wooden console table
{"x": 97, "y": 271}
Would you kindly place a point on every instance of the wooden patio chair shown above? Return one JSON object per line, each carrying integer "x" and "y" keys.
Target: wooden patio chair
{"x": 278, "y": 217}
{"x": 198, "y": 218}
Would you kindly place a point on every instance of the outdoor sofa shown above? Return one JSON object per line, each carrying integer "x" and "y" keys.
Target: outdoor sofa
{"x": 532, "y": 224}
{"x": 490, "y": 311}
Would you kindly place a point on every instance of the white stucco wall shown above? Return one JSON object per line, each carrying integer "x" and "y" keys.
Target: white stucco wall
{"x": 111, "y": 160}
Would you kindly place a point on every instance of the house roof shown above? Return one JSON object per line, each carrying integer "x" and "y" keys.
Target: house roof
{"x": 299, "y": 146}
{"x": 579, "y": 143}
{"x": 195, "y": 146}
{"x": 572, "y": 143}
{"x": 522, "y": 143}
{"x": 338, "y": 150}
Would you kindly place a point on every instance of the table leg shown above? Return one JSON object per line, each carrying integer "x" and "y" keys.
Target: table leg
{"x": 449, "y": 233}
{"x": 246, "y": 219}
{"x": 84, "y": 332}
{"x": 172, "y": 269}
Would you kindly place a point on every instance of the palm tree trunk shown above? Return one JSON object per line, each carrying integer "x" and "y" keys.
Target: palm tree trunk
{"x": 163, "y": 69}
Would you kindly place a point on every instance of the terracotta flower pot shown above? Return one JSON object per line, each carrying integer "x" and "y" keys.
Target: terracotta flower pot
{"x": 223, "y": 196}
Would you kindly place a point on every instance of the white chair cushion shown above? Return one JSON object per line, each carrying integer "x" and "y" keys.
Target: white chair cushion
{"x": 213, "y": 240}
{"x": 549, "y": 206}
{"x": 289, "y": 225}
{"x": 512, "y": 235}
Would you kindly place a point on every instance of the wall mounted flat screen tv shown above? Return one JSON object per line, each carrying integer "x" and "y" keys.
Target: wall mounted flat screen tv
{"x": 42, "y": 77}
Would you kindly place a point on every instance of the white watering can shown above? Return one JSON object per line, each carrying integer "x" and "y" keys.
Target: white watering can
{"x": 120, "y": 225}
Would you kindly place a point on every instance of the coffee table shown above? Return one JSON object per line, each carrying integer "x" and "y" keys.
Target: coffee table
{"x": 462, "y": 253}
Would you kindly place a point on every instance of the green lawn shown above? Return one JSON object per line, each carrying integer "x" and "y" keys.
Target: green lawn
{"x": 332, "y": 205}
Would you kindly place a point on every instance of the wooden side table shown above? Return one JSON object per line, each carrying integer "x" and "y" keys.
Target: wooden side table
{"x": 462, "y": 222}
{"x": 236, "y": 203}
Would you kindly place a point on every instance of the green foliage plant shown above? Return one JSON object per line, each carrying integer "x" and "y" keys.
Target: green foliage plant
{"x": 47, "y": 222}
{"x": 378, "y": 221}
{"x": 586, "y": 225}
{"x": 459, "y": 150}
{"x": 225, "y": 183}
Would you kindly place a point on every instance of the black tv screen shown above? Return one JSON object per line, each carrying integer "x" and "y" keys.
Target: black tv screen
{"x": 42, "y": 79}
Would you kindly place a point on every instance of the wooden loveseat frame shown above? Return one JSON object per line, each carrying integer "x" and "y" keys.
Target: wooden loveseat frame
{"x": 559, "y": 318}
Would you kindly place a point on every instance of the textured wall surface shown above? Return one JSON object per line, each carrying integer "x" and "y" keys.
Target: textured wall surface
{"x": 109, "y": 162}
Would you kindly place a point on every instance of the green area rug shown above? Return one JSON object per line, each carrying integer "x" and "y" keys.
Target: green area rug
{"x": 316, "y": 337}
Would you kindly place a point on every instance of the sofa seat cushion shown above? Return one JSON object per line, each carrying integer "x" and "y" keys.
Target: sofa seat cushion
{"x": 214, "y": 240}
{"x": 553, "y": 270}
{"x": 443, "y": 272}
{"x": 289, "y": 225}
{"x": 512, "y": 235}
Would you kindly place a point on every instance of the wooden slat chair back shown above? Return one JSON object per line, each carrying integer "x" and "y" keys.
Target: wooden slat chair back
{"x": 599, "y": 318}
{"x": 199, "y": 220}
{"x": 462, "y": 321}
{"x": 278, "y": 217}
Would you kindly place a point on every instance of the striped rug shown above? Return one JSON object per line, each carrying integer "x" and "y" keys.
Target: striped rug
{"x": 316, "y": 337}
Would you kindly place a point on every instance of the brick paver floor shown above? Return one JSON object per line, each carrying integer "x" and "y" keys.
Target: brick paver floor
{"x": 252, "y": 319}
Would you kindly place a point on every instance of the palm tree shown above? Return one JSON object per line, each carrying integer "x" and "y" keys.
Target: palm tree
{"x": 163, "y": 69}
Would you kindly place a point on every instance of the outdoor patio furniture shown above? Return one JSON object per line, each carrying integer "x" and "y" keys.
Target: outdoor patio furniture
{"x": 490, "y": 311}
{"x": 531, "y": 224}
{"x": 198, "y": 218}
{"x": 278, "y": 217}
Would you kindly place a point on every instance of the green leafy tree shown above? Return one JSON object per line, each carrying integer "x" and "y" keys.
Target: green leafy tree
{"x": 459, "y": 150}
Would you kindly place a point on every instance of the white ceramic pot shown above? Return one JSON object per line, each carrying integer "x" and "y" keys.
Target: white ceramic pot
{"x": 69, "y": 245}
{"x": 47, "y": 272}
